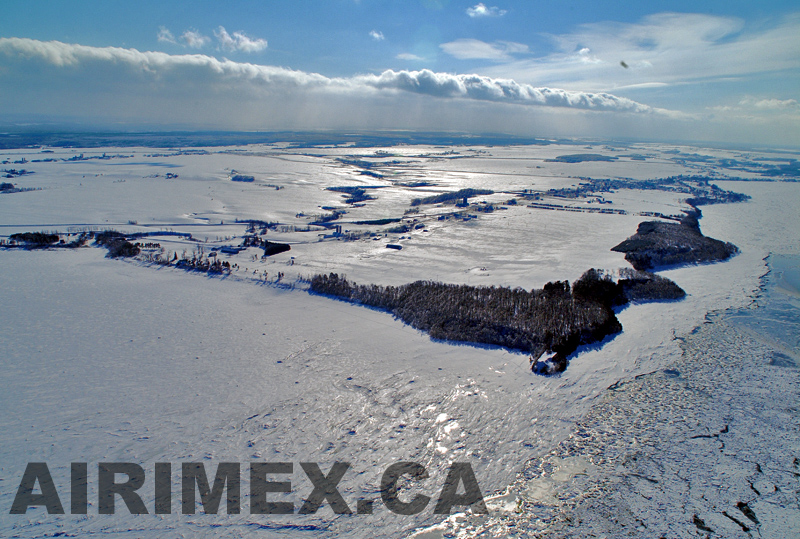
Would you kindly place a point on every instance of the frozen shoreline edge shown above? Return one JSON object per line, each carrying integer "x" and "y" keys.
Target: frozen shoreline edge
{"x": 569, "y": 488}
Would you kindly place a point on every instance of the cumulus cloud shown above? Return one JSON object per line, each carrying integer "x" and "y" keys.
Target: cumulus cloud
{"x": 474, "y": 49}
{"x": 165, "y": 35}
{"x": 160, "y": 66}
{"x": 376, "y": 35}
{"x": 480, "y": 10}
{"x": 239, "y": 41}
{"x": 194, "y": 39}
{"x": 445, "y": 85}
{"x": 198, "y": 72}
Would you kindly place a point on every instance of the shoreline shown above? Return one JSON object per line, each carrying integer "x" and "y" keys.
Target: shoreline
{"x": 703, "y": 444}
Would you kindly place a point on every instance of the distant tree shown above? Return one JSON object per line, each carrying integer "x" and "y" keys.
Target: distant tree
{"x": 595, "y": 285}
{"x": 35, "y": 239}
{"x": 116, "y": 243}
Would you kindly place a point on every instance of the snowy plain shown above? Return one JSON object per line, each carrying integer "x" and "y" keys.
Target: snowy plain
{"x": 106, "y": 360}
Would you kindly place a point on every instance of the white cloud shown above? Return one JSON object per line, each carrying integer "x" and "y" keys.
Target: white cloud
{"x": 766, "y": 118}
{"x": 752, "y": 105}
{"x": 480, "y": 10}
{"x": 376, "y": 35}
{"x": 200, "y": 72}
{"x": 474, "y": 49}
{"x": 196, "y": 91}
{"x": 408, "y": 56}
{"x": 586, "y": 56}
{"x": 769, "y": 104}
{"x": 194, "y": 39}
{"x": 445, "y": 85}
{"x": 225, "y": 40}
{"x": 643, "y": 85}
{"x": 671, "y": 48}
{"x": 513, "y": 48}
{"x": 165, "y": 35}
{"x": 239, "y": 41}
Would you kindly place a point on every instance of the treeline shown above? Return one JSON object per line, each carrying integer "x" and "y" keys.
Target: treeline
{"x": 580, "y": 157}
{"x": 116, "y": 243}
{"x": 194, "y": 261}
{"x": 557, "y": 318}
{"x": 242, "y": 178}
{"x": 642, "y": 286}
{"x": 197, "y": 263}
{"x": 324, "y": 220}
{"x": 699, "y": 188}
{"x": 354, "y": 194}
{"x": 13, "y": 173}
{"x": 455, "y": 196}
{"x": 658, "y": 243}
{"x": 35, "y": 238}
{"x": 378, "y": 222}
{"x": 43, "y": 240}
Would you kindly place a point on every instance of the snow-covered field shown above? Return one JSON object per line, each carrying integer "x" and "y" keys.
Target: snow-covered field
{"x": 112, "y": 361}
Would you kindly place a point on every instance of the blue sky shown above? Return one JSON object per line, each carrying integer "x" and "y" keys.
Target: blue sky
{"x": 725, "y": 71}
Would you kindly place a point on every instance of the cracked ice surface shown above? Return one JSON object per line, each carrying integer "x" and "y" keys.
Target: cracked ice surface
{"x": 709, "y": 446}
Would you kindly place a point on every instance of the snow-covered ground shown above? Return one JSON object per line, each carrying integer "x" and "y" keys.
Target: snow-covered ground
{"x": 708, "y": 446}
{"x": 108, "y": 361}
